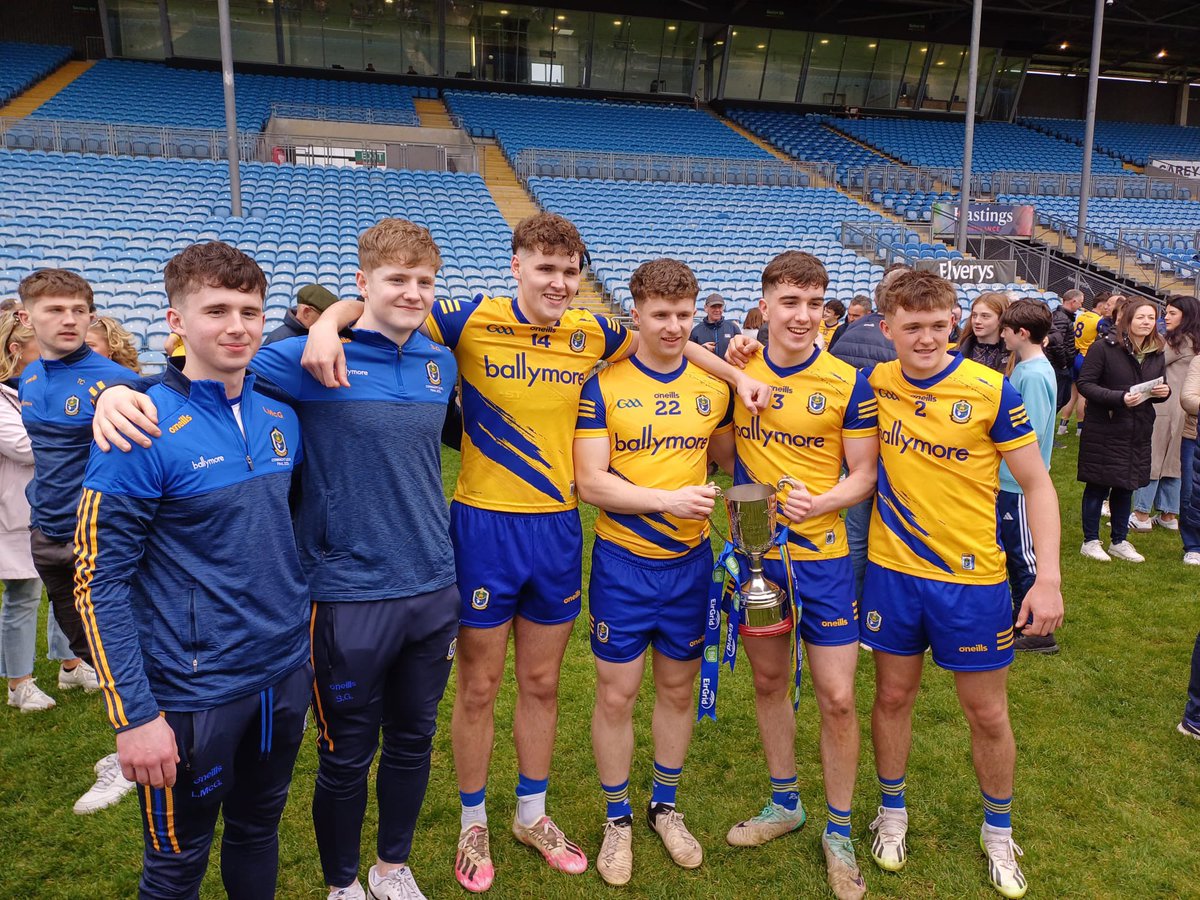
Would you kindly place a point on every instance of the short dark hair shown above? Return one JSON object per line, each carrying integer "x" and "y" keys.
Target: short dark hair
{"x": 862, "y": 301}
{"x": 666, "y": 278}
{"x": 1031, "y": 315}
{"x": 55, "y": 283}
{"x": 212, "y": 264}
{"x": 797, "y": 268}
{"x": 835, "y": 306}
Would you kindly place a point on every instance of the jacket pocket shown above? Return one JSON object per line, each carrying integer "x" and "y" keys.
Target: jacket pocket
{"x": 193, "y": 632}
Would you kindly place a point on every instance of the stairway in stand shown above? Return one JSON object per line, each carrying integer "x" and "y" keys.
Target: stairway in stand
{"x": 25, "y": 103}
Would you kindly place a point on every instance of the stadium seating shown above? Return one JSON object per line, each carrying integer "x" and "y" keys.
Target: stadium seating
{"x": 807, "y": 138}
{"x": 727, "y": 234}
{"x": 117, "y": 220}
{"x": 999, "y": 146}
{"x": 1132, "y": 142}
{"x": 143, "y": 93}
{"x": 21, "y": 65}
{"x": 518, "y": 121}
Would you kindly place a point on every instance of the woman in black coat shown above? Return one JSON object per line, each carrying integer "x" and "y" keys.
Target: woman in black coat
{"x": 1114, "y": 450}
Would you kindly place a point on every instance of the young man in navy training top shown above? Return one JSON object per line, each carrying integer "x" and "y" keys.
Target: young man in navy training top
{"x": 56, "y": 409}
{"x": 373, "y": 530}
{"x": 188, "y": 583}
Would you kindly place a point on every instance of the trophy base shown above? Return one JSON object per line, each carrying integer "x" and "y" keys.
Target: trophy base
{"x": 765, "y": 622}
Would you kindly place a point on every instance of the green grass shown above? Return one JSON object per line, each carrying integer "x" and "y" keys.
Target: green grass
{"x": 1106, "y": 798}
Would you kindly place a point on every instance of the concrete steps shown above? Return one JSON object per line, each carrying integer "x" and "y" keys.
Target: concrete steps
{"x": 432, "y": 113}
{"x": 25, "y": 103}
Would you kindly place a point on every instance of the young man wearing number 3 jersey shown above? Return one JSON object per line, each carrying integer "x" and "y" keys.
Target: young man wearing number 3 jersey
{"x": 821, "y": 411}
{"x": 647, "y": 428}
{"x": 936, "y": 574}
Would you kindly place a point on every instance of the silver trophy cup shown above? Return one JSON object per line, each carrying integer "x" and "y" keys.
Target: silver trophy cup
{"x": 752, "y": 511}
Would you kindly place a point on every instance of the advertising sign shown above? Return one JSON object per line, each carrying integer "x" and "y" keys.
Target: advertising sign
{"x": 971, "y": 271}
{"x": 989, "y": 218}
{"x": 1188, "y": 168}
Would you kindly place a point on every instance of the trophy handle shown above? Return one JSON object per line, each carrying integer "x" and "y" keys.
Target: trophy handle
{"x": 789, "y": 481}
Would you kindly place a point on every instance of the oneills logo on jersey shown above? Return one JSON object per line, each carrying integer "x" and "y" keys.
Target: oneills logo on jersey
{"x": 479, "y": 599}
{"x": 180, "y": 423}
{"x": 960, "y": 412}
{"x": 278, "y": 443}
{"x": 433, "y": 373}
{"x": 703, "y": 405}
{"x": 874, "y": 621}
{"x": 578, "y": 340}
{"x": 72, "y": 406}
{"x": 816, "y": 404}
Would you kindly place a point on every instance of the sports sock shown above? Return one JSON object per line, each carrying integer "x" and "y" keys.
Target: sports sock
{"x": 785, "y": 792}
{"x": 837, "y": 821}
{"x": 617, "y": 798}
{"x": 997, "y": 813}
{"x": 892, "y": 792}
{"x": 531, "y": 799}
{"x": 474, "y": 810}
{"x": 666, "y": 783}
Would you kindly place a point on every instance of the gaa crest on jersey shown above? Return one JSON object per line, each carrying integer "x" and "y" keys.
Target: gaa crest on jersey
{"x": 960, "y": 412}
{"x": 816, "y": 404}
{"x": 479, "y": 599}
{"x": 874, "y": 621}
{"x": 71, "y": 408}
{"x": 703, "y": 405}
{"x": 278, "y": 443}
{"x": 433, "y": 373}
{"x": 578, "y": 340}
{"x": 602, "y": 632}
{"x": 830, "y": 538}
{"x": 968, "y": 562}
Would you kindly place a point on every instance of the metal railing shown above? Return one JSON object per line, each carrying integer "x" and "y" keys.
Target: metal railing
{"x": 356, "y": 114}
{"x": 884, "y": 243}
{"x": 540, "y": 162}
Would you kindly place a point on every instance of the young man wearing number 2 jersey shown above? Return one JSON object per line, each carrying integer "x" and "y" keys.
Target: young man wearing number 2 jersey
{"x": 936, "y": 576}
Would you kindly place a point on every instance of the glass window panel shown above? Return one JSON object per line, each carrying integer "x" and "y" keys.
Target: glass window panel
{"x": 987, "y": 59}
{"x": 610, "y": 47}
{"x": 645, "y": 53}
{"x": 461, "y": 49}
{"x": 194, "y": 29}
{"x": 858, "y": 61}
{"x": 329, "y": 34}
{"x": 824, "y": 64}
{"x": 912, "y": 75}
{"x": 785, "y": 64}
{"x": 678, "y": 57}
{"x": 747, "y": 54}
{"x": 1008, "y": 82}
{"x": 571, "y": 33}
{"x": 888, "y": 74}
{"x": 943, "y": 74}
{"x": 135, "y": 28}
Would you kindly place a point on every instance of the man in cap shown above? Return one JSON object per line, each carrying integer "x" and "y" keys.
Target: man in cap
{"x": 714, "y": 332}
{"x": 311, "y": 301}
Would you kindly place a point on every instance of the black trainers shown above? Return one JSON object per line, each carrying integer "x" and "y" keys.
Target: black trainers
{"x": 1042, "y": 643}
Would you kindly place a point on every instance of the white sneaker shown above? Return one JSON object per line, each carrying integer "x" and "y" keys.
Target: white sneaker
{"x": 82, "y": 675}
{"x": 1136, "y": 524}
{"x": 1062, "y": 429}
{"x": 1124, "y": 550}
{"x": 1191, "y": 558}
{"x": 28, "y": 697}
{"x": 109, "y": 788}
{"x": 889, "y": 848}
{"x": 397, "y": 884}
{"x": 1169, "y": 524}
{"x": 1105, "y": 511}
{"x": 353, "y": 892}
{"x": 1003, "y": 869}
{"x": 1094, "y": 550}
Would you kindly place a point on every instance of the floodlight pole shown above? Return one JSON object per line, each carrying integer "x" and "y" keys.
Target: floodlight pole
{"x": 1089, "y": 129}
{"x": 232, "y": 148}
{"x": 964, "y": 190}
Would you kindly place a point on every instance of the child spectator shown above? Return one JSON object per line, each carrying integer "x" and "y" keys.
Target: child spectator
{"x": 110, "y": 339}
{"x": 981, "y": 342}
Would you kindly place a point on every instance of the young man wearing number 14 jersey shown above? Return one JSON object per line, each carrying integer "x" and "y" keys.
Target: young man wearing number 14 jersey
{"x": 936, "y": 575}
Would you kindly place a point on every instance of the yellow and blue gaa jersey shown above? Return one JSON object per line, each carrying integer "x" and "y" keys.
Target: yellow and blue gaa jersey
{"x": 520, "y": 384}
{"x": 825, "y": 332}
{"x": 814, "y": 407}
{"x": 658, "y": 427}
{"x": 939, "y": 459}
{"x": 1087, "y": 325}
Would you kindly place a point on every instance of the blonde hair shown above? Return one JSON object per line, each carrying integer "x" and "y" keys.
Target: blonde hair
{"x": 120, "y": 342}
{"x": 397, "y": 242}
{"x": 12, "y": 331}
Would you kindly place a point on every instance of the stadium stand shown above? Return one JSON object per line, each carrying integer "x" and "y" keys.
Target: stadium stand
{"x": 140, "y": 93}
{"x": 25, "y": 64}
{"x": 518, "y": 122}
{"x": 999, "y": 146}
{"x": 806, "y": 138}
{"x": 117, "y": 220}
{"x": 1131, "y": 142}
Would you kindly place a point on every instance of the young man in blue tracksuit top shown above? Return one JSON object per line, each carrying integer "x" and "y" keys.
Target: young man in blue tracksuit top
{"x": 373, "y": 532}
{"x": 189, "y": 586}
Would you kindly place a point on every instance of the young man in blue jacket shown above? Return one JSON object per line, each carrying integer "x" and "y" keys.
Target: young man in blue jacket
{"x": 190, "y": 589}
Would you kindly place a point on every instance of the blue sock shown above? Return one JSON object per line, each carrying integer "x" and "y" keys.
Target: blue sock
{"x": 837, "y": 821}
{"x": 531, "y": 799}
{"x": 617, "y": 797}
{"x": 892, "y": 792}
{"x": 474, "y": 810}
{"x": 997, "y": 813}
{"x": 785, "y": 792}
{"x": 474, "y": 798}
{"x": 528, "y": 786}
{"x": 666, "y": 783}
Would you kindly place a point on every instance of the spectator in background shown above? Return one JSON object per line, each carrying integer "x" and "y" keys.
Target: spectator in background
{"x": 753, "y": 323}
{"x": 1182, "y": 316}
{"x": 1189, "y": 501}
{"x": 8, "y": 305}
{"x": 982, "y": 341}
{"x": 859, "y": 308}
{"x": 830, "y": 319}
{"x": 1062, "y": 324}
{"x": 1085, "y": 332}
{"x": 1114, "y": 450}
{"x": 311, "y": 301}
{"x": 713, "y": 332}
{"x": 109, "y": 338}
{"x": 955, "y": 325}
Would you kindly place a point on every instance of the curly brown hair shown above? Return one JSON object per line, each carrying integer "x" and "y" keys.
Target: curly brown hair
{"x": 121, "y": 348}
{"x": 212, "y": 264}
{"x": 666, "y": 278}
{"x": 549, "y": 233}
